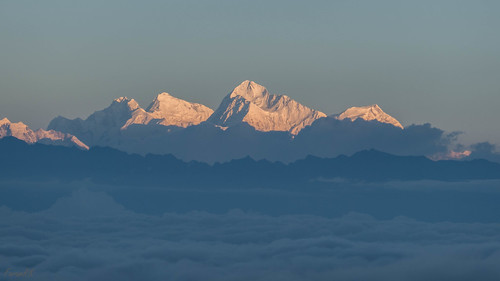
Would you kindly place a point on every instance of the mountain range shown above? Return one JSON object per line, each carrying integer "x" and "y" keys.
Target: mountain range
{"x": 39, "y": 162}
{"x": 21, "y": 131}
{"x": 248, "y": 103}
{"x": 250, "y": 121}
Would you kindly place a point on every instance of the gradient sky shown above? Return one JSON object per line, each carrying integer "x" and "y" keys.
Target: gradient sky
{"x": 421, "y": 61}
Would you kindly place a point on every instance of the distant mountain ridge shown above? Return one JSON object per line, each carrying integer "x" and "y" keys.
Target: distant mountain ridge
{"x": 248, "y": 103}
{"x": 249, "y": 121}
{"x": 195, "y": 132}
{"x": 22, "y": 132}
{"x": 106, "y": 165}
{"x": 104, "y": 127}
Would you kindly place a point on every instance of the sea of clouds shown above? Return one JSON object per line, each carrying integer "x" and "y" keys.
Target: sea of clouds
{"x": 87, "y": 235}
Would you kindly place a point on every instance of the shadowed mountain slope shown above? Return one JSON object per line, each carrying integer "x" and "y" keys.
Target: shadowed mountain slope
{"x": 106, "y": 165}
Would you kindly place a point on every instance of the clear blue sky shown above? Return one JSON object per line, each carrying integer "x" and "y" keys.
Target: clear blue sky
{"x": 421, "y": 61}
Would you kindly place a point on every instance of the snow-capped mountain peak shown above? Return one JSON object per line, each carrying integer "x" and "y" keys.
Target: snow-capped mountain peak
{"x": 166, "y": 103}
{"x": 121, "y": 99}
{"x": 105, "y": 126}
{"x": 168, "y": 110}
{"x": 4, "y": 121}
{"x": 18, "y": 130}
{"x": 250, "y": 91}
{"x": 251, "y": 103}
{"x": 369, "y": 113}
{"x": 21, "y": 131}
{"x": 164, "y": 95}
{"x": 129, "y": 103}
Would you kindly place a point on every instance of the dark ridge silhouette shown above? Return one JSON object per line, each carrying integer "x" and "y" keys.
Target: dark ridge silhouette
{"x": 20, "y": 160}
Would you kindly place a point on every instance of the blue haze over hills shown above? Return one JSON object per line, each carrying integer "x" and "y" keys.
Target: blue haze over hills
{"x": 73, "y": 214}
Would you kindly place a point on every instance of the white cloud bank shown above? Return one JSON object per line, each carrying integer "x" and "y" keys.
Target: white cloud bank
{"x": 90, "y": 237}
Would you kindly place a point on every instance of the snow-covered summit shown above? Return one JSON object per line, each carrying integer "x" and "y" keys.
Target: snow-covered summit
{"x": 125, "y": 102}
{"x": 250, "y": 91}
{"x": 21, "y": 131}
{"x": 168, "y": 110}
{"x": 105, "y": 126}
{"x": 369, "y": 113}
{"x": 251, "y": 103}
{"x": 100, "y": 125}
{"x": 172, "y": 111}
{"x": 18, "y": 130}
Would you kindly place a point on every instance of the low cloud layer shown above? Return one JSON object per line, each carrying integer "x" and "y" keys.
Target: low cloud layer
{"x": 88, "y": 236}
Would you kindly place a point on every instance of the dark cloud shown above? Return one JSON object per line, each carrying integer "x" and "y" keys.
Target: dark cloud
{"x": 484, "y": 150}
{"x": 328, "y": 137}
